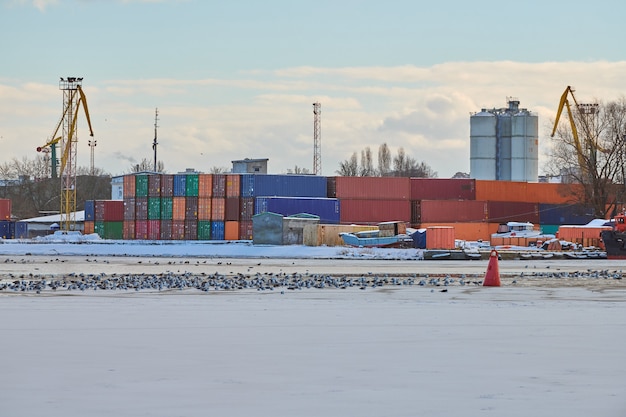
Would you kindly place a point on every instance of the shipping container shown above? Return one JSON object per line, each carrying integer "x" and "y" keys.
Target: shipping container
{"x": 466, "y": 231}
{"x": 331, "y": 187}
{"x": 204, "y": 208}
{"x": 128, "y": 186}
{"x": 245, "y": 230}
{"x": 154, "y": 229}
{"x": 231, "y": 209}
{"x": 246, "y": 208}
{"x": 204, "y": 230}
{"x": 293, "y": 229}
{"x": 217, "y": 230}
{"x": 440, "y": 237}
{"x": 443, "y": 189}
{"x": 141, "y": 185}
{"x": 289, "y": 185}
{"x": 219, "y": 185}
{"x": 154, "y": 185}
{"x": 141, "y": 229}
{"x": 218, "y": 209}
{"x": 167, "y": 208}
{"x": 246, "y": 185}
{"x": 233, "y": 185}
{"x": 21, "y": 230}
{"x": 90, "y": 210}
{"x": 129, "y": 208}
{"x": 141, "y": 208}
{"x": 524, "y": 192}
{"x": 178, "y": 208}
{"x": 166, "y": 229}
{"x": 154, "y": 208}
{"x": 98, "y": 228}
{"x": 373, "y": 188}
{"x": 113, "y": 210}
{"x": 231, "y": 230}
{"x": 205, "y": 185}
{"x": 191, "y": 229}
{"x": 191, "y": 208}
{"x": 88, "y": 227}
{"x": 129, "y": 230}
{"x": 167, "y": 185}
{"x": 267, "y": 229}
{"x": 510, "y": 211}
{"x": 178, "y": 230}
{"x": 191, "y": 185}
{"x": 99, "y": 210}
{"x": 585, "y": 236}
{"x": 451, "y": 211}
{"x": 327, "y": 209}
{"x": 374, "y": 211}
{"x": 7, "y": 229}
{"x": 113, "y": 230}
{"x": 180, "y": 185}
{"x": 552, "y": 193}
{"x": 328, "y": 234}
{"x": 571, "y": 214}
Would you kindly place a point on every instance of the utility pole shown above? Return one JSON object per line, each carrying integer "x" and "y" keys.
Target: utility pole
{"x": 155, "y": 143}
{"x": 92, "y": 145}
{"x": 317, "y": 139}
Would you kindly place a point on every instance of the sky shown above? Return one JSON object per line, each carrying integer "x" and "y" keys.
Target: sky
{"x": 234, "y": 80}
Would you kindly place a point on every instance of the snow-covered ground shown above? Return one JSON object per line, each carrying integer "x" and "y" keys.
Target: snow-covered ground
{"x": 388, "y": 351}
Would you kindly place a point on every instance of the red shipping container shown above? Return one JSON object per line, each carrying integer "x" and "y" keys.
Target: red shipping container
{"x": 141, "y": 208}
{"x": 451, "y": 211}
{"x": 191, "y": 230}
{"x": 191, "y": 208}
{"x": 511, "y": 211}
{"x": 231, "y": 212}
{"x": 233, "y": 185}
{"x": 166, "y": 230}
{"x": 129, "y": 208}
{"x": 113, "y": 210}
{"x": 154, "y": 229}
{"x": 204, "y": 208}
{"x": 154, "y": 185}
{"x": 178, "y": 208}
{"x": 128, "y": 229}
{"x": 374, "y": 211}
{"x": 128, "y": 186}
{"x": 5, "y": 209}
{"x": 205, "y": 185}
{"x": 245, "y": 230}
{"x": 246, "y": 209}
{"x": 443, "y": 189}
{"x": 219, "y": 185}
{"x": 167, "y": 185}
{"x": 98, "y": 208}
{"x": 231, "y": 230}
{"x": 373, "y": 188}
{"x": 440, "y": 237}
{"x": 178, "y": 230}
{"x": 141, "y": 229}
{"x": 218, "y": 209}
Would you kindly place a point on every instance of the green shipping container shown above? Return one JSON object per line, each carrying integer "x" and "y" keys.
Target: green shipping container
{"x": 154, "y": 208}
{"x": 550, "y": 229}
{"x": 98, "y": 227}
{"x": 191, "y": 185}
{"x": 204, "y": 230}
{"x": 113, "y": 230}
{"x": 166, "y": 208}
{"x": 141, "y": 186}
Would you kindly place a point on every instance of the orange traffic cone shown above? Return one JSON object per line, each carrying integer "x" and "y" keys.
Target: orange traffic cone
{"x": 492, "y": 277}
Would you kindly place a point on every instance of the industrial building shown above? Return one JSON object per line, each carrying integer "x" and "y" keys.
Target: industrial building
{"x": 504, "y": 144}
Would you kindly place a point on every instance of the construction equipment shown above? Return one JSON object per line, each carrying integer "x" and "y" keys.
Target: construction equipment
{"x": 51, "y": 147}
{"x": 73, "y": 98}
{"x": 589, "y": 151}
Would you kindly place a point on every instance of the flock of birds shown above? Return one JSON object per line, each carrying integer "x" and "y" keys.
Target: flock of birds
{"x": 202, "y": 281}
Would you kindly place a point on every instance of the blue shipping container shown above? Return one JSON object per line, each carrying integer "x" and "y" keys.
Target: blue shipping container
{"x": 327, "y": 209}
{"x": 21, "y": 230}
{"x": 287, "y": 186}
{"x": 180, "y": 185}
{"x": 564, "y": 214}
{"x": 7, "y": 229}
{"x": 90, "y": 210}
{"x": 217, "y": 230}
{"x": 246, "y": 184}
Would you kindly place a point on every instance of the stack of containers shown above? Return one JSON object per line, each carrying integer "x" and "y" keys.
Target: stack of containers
{"x": 246, "y": 206}
{"x": 167, "y": 206}
{"x": 232, "y": 207}
{"x": 218, "y": 207}
{"x": 128, "y": 195}
{"x": 191, "y": 206}
{"x": 369, "y": 200}
{"x": 205, "y": 192}
{"x": 105, "y": 217}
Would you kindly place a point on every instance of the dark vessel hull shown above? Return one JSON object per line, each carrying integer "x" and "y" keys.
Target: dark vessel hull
{"x": 614, "y": 243}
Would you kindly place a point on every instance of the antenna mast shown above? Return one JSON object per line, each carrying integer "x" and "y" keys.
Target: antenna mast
{"x": 317, "y": 138}
{"x": 155, "y": 143}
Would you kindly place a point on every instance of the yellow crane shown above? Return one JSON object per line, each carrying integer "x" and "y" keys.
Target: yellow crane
{"x": 590, "y": 144}
{"x": 73, "y": 99}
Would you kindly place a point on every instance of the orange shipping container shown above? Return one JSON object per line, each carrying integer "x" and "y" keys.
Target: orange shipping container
{"x": 467, "y": 231}
{"x": 231, "y": 230}
{"x": 204, "y": 208}
{"x": 88, "y": 227}
{"x": 129, "y": 186}
{"x": 218, "y": 208}
{"x": 205, "y": 185}
{"x": 233, "y": 187}
{"x": 440, "y": 237}
{"x": 178, "y": 208}
{"x": 549, "y": 193}
{"x": 586, "y": 236}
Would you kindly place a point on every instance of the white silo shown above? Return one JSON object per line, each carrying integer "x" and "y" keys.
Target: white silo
{"x": 482, "y": 145}
{"x": 524, "y": 146}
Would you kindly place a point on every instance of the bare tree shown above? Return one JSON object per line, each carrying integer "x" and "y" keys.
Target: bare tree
{"x": 384, "y": 160}
{"x": 298, "y": 170}
{"x": 349, "y": 167}
{"x": 367, "y": 166}
{"x": 218, "y": 170}
{"x": 147, "y": 165}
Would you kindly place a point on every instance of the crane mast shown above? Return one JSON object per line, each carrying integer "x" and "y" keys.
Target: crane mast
{"x": 317, "y": 138}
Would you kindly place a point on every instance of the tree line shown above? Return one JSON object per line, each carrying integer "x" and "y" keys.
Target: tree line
{"x": 400, "y": 165}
